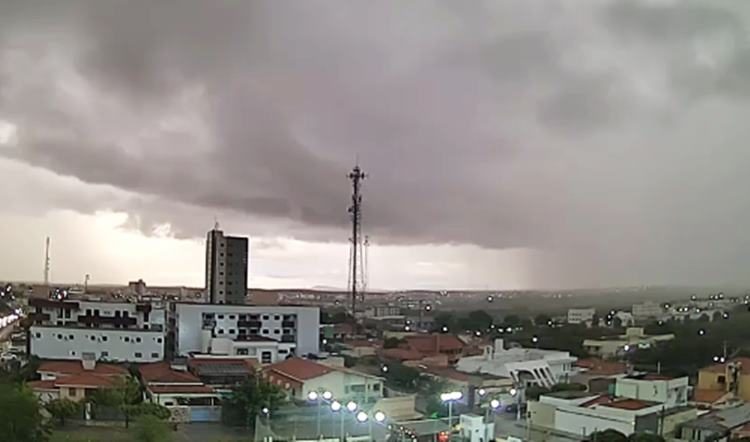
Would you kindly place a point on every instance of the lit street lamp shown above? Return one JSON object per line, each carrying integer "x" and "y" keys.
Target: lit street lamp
{"x": 324, "y": 396}
{"x": 450, "y": 398}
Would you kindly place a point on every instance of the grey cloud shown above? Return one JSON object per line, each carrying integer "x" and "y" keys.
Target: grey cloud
{"x": 501, "y": 124}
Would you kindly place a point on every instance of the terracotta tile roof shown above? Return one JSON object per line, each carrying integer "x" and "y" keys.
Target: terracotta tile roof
{"x": 42, "y": 385}
{"x": 434, "y": 343}
{"x": 85, "y": 380}
{"x": 401, "y": 354}
{"x": 161, "y": 372}
{"x": 599, "y": 400}
{"x": 447, "y": 373}
{"x": 629, "y": 404}
{"x": 184, "y": 389}
{"x": 721, "y": 368}
{"x": 704, "y": 396}
{"x": 69, "y": 368}
{"x": 362, "y": 343}
{"x": 601, "y": 367}
{"x": 299, "y": 369}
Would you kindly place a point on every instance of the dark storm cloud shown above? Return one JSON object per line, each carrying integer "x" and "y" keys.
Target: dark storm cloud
{"x": 549, "y": 125}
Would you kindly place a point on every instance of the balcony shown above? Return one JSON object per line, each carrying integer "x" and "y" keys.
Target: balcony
{"x": 288, "y": 324}
{"x": 248, "y": 324}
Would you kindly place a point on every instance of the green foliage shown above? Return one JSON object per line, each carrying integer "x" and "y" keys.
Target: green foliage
{"x": 607, "y": 436}
{"x": 149, "y": 408}
{"x": 125, "y": 395}
{"x": 248, "y": 398}
{"x": 62, "y": 409}
{"x": 477, "y": 320}
{"x": 402, "y": 377}
{"x": 17, "y": 372}
{"x": 20, "y": 418}
{"x": 392, "y": 342}
{"x": 149, "y": 428}
{"x": 541, "y": 320}
{"x": 645, "y": 437}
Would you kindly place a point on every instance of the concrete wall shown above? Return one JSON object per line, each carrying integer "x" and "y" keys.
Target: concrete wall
{"x": 584, "y": 421}
{"x": 342, "y": 384}
{"x": 542, "y": 415}
{"x": 111, "y": 344}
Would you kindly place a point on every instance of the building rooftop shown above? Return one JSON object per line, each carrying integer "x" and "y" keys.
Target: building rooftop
{"x": 629, "y": 404}
{"x": 222, "y": 366}
{"x": 569, "y": 394}
{"x": 704, "y": 396}
{"x": 70, "y": 368}
{"x": 722, "y": 420}
{"x": 601, "y": 367}
{"x": 721, "y": 368}
{"x": 434, "y": 343}
{"x": 163, "y": 373}
{"x": 299, "y": 369}
{"x": 180, "y": 389}
{"x": 85, "y": 380}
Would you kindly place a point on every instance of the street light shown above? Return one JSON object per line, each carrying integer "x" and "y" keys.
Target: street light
{"x": 314, "y": 396}
{"x": 445, "y": 329}
{"x": 351, "y": 406}
{"x": 362, "y": 417}
{"x": 450, "y": 398}
{"x": 327, "y": 395}
{"x": 482, "y": 392}
{"x": 535, "y": 339}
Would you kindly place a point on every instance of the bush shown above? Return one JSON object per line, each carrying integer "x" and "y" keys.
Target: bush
{"x": 149, "y": 428}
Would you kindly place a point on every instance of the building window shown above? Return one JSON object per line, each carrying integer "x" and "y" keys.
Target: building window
{"x": 277, "y": 317}
{"x": 242, "y": 352}
{"x": 59, "y": 336}
{"x": 72, "y": 352}
{"x": 104, "y": 338}
{"x": 722, "y": 379}
{"x": 72, "y": 392}
{"x": 264, "y": 332}
{"x": 126, "y": 338}
{"x": 221, "y": 316}
{"x": 221, "y": 331}
{"x": 265, "y": 357}
{"x": 276, "y": 331}
{"x": 232, "y": 317}
{"x": 231, "y": 331}
{"x": 154, "y": 355}
{"x": 283, "y": 351}
{"x": 138, "y": 355}
{"x": 59, "y": 323}
{"x": 38, "y": 335}
{"x": 93, "y": 338}
{"x": 138, "y": 339}
{"x": 158, "y": 340}
{"x": 105, "y": 354}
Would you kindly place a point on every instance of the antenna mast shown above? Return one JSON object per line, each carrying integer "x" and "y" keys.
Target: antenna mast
{"x": 355, "y": 210}
{"x": 46, "y": 263}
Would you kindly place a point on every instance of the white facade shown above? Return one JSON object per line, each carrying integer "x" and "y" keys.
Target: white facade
{"x": 523, "y": 365}
{"x": 50, "y": 342}
{"x": 266, "y": 333}
{"x": 670, "y": 392}
{"x": 647, "y": 310}
{"x": 114, "y": 331}
{"x": 581, "y": 315}
{"x": 634, "y": 338}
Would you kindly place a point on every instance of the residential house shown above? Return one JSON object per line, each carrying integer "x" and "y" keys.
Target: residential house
{"x": 298, "y": 377}
{"x": 527, "y": 366}
{"x": 432, "y": 349}
{"x": 74, "y": 380}
{"x": 722, "y": 384}
{"x": 718, "y": 426}
{"x": 222, "y": 373}
{"x": 599, "y": 375}
{"x": 633, "y": 339}
{"x": 180, "y": 391}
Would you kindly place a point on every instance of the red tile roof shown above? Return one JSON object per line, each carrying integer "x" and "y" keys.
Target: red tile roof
{"x": 447, "y": 373}
{"x": 162, "y": 373}
{"x": 85, "y": 380}
{"x": 69, "y": 368}
{"x": 601, "y": 367}
{"x": 704, "y": 396}
{"x": 599, "y": 400}
{"x": 434, "y": 343}
{"x": 401, "y": 354}
{"x": 629, "y": 404}
{"x": 721, "y": 368}
{"x": 42, "y": 385}
{"x": 184, "y": 389}
{"x": 251, "y": 364}
{"x": 299, "y": 369}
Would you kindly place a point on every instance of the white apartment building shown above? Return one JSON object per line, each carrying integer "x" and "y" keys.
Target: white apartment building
{"x": 581, "y": 315}
{"x": 633, "y": 339}
{"x": 266, "y": 333}
{"x": 113, "y": 331}
{"x": 528, "y": 366}
{"x": 647, "y": 310}
{"x": 668, "y": 391}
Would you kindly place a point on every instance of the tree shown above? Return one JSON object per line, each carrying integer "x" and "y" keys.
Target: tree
{"x": 512, "y": 320}
{"x": 21, "y": 419}
{"x": 62, "y": 409}
{"x": 607, "y": 436}
{"x": 645, "y": 437}
{"x": 150, "y": 408}
{"x": 249, "y": 398}
{"x": 401, "y": 376}
{"x": 125, "y": 395}
{"x": 445, "y": 319}
{"x": 541, "y": 320}
{"x": 149, "y": 428}
{"x": 477, "y": 320}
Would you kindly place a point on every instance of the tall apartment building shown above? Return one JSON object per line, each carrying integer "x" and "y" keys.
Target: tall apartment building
{"x": 266, "y": 333}
{"x": 113, "y": 331}
{"x": 226, "y": 268}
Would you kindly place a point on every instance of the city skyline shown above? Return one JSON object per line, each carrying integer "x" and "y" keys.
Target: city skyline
{"x": 509, "y": 146}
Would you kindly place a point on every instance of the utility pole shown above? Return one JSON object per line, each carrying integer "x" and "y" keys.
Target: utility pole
{"x": 355, "y": 210}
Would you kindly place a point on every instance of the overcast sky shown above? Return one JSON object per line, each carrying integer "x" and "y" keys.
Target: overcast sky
{"x": 510, "y": 144}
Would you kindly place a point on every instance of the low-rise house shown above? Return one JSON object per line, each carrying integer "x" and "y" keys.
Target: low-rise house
{"x": 432, "y": 349}
{"x": 180, "y": 391}
{"x": 718, "y": 426}
{"x": 222, "y": 373}
{"x": 74, "y": 380}
{"x": 598, "y": 375}
{"x": 298, "y": 377}
{"x": 723, "y": 384}
{"x": 633, "y": 339}
{"x": 527, "y": 366}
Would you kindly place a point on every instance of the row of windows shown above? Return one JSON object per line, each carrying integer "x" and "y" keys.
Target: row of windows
{"x": 105, "y": 354}
{"x": 103, "y": 338}
{"x": 254, "y": 331}
{"x": 251, "y": 317}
